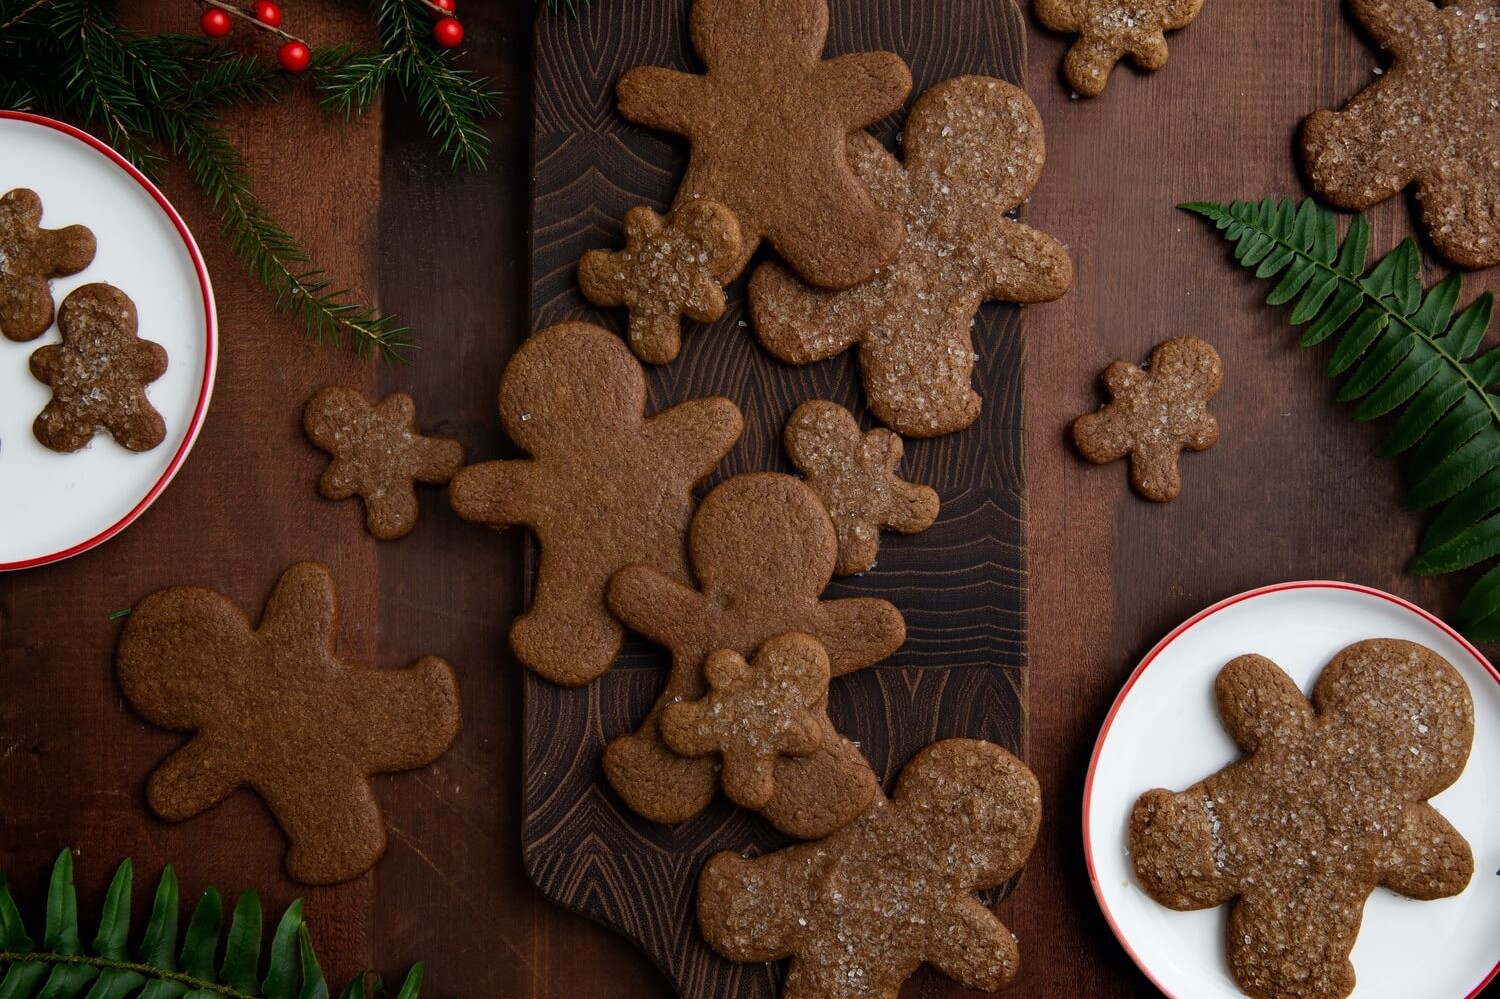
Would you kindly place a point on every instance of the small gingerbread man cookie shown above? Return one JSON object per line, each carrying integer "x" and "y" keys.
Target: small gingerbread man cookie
{"x": 859, "y": 911}
{"x": 762, "y": 550}
{"x": 1154, "y": 414}
{"x": 98, "y": 375}
{"x": 767, "y": 124}
{"x": 974, "y": 151}
{"x": 378, "y": 455}
{"x": 1329, "y": 803}
{"x": 1109, "y": 30}
{"x": 753, "y": 713}
{"x": 275, "y": 709}
{"x": 855, "y": 476}
{"x": 668, "y": 271}
{"x": 1432, "y": 119}
{"x": 30, "y": 257}
{"x": 606, "y": 486}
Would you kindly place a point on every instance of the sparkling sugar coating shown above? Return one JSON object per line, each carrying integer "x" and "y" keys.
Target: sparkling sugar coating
{"x": 98, "y": 375}
{"x": 860, "y": 911}
{"x": 767, "y": 124}
{"x": 854, "y": 474}
{"x": 669, "y": 270}
{"x": 378, "y": 455}
{"x": 605, "y": 486}
{"x": 30, "y": 257}
{"x": 774, "y": 705}
{"x": 1109, "y": 30}
{"x": 762, "y": 549}
{"x": 973, "y": 151}
{"x": 1432, "y": 119}
{"x": 1329, "y": 803}
{"x": 1154, "y": 414}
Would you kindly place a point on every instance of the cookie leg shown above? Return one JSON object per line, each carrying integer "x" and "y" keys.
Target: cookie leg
{"x": 798, "y": 324}
{"x": 568, "y": 635}
{"x": 332, "y": 824}
{"x": 655, "y": 782}
{"x": 1282, "y": 947}
{"x": 1463, "y": 219}
{"x": 1350, "y": 154}
{"x": 1088, "y": 65}
{"x": 821, "y": 793}
{"x": 918, "y": 381}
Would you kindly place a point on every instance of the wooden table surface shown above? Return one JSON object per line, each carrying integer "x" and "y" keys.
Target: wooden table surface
{"x": 1294, "y": 490}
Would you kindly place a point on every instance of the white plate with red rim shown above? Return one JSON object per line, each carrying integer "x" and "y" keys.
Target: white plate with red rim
{"x": 1164, "y": 731}
{"x": 53, "y": 506}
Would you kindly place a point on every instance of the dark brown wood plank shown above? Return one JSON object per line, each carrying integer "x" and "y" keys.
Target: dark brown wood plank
{"x": 961, "y": 585}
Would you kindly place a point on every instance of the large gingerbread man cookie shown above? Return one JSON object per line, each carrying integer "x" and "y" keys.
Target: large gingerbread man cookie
{"x": 30, "y": 257}
{"x": 1432, "y": 119}
{"x": 762, "y": 550}
{"x": 973, "y": 151}
{"x": 767, "y": 123}
{"x": 861, "y": 910}
{"x": 274, "y": 708}
{"x": 606, "y": 486}
{"x": 1329, "y": 804}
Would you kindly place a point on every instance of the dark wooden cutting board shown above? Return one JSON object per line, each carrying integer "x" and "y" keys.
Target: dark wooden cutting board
{"x": 961, "y": 585}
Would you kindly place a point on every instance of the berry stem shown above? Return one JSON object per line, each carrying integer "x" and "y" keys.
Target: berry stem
{"x": 234, "y": 11}
{"x": 439, "y": 11}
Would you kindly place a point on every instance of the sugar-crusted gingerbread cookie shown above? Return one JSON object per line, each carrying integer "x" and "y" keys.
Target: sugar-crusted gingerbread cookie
{"x": 606, "y": 486}
{"x": 378, "y": 455}
{"x": 669, "y": 270}
{"x": 1154, "y": 414}
{"x": 274, "y": 708}
{"x": 763, "y": 550}
{"x": 30, "y": 257}
{"x": 1109, "y": 30}
{"x": 855, "y": 476}
{"x": 1432, "y": 119}
{"x": 1329, "y": 803}
{"x": 767, "y": 123}
{"x": 861, "y": 910}
{"x": 973, "y": 151}
{"x": 98, "y": 375}
{"x": 753, "y": 713}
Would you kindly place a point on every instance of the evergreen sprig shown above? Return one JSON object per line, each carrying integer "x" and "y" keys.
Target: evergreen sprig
{"x": 1402, "y": 349}
{"x": 452, "y": 101}
{"x": 61, "y": 967}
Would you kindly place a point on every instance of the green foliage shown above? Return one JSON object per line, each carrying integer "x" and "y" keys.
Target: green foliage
{"x": 62, "y": 968}
{"x": 451, "y": 101}
{"x": 1404, "y": 350}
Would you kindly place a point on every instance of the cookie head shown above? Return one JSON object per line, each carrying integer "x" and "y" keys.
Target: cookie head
{"x": 723, "y": 29}
{"x": 203, "y": 635}
{"x": 566, "y": 376}
{"x": 746, "y": 527}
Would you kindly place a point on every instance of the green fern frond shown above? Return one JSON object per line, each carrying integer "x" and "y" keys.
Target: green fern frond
{"x": 62, "y": 968}
{"x": 1402, "y": 349}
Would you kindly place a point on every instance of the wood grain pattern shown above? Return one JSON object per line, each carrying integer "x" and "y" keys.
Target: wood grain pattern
{"x": 961, "y": 585}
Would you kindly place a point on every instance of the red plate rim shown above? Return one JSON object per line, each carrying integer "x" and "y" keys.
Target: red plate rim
{"x": 1156, "y": 650}
{"x": 210, "y": 354}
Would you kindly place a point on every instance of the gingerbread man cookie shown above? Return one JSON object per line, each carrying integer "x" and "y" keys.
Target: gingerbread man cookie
{"x": 605, "y": 487}
{"x": 98, "y": 375}
{"x": 767, "y": 123}
{"x": 860, "y": 911}
{"x": 275, "y": 709}
{"x": 974, "y": 151}
{"x": 668, "y": 270}
{"x": 1329, "y": 803}
{"x": 754, "y": 712}
{"x": 855, "y": 476}
{"x": 378, "y": 455}
{"x": 1109, "y": 30}
{"x": 1432, "y": 119}
{"x": 763, "y": 550}
{"x": 1154, "y": 414}
{"x": 30, "y": 257}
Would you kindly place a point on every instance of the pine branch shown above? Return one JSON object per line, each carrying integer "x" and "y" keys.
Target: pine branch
{"x": 1402, "y": 349}
{"x": 61, "y": 967}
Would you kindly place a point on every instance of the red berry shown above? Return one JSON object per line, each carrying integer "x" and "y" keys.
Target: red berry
{"x": 448, "y": 32}
{"x": 267, "y": 12}
{"x": 448, "y": 6}
{"x": 215, "y": 23}
{"x": 294, "y": 57}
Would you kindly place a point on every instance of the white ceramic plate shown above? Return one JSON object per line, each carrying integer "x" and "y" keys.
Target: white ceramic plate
{"x": 1164, "y": 731}
{"x": 56, "y": 505}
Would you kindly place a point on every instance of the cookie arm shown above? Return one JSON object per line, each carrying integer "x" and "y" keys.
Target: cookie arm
{"x": 662, "y": 98}
{"x": 301, "y": 613}
{"x": 1428, "y": 858}
{"x": 1395, "y": 24}
{"x": 863, "y": 87}
{"x": 975, "y": 949}
{"x": 1024, "y": 265}
{"x": 747, "y": 909}
{"x": 1258, "y": 701}
{"x": 400, "y": 719}
{"x": 193, "y": 779}
{"x": 859, "y": 632}
{"x": 497, "y": 493}
{"x": 655, "y": 605}
{"x": 697, "y": 434}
